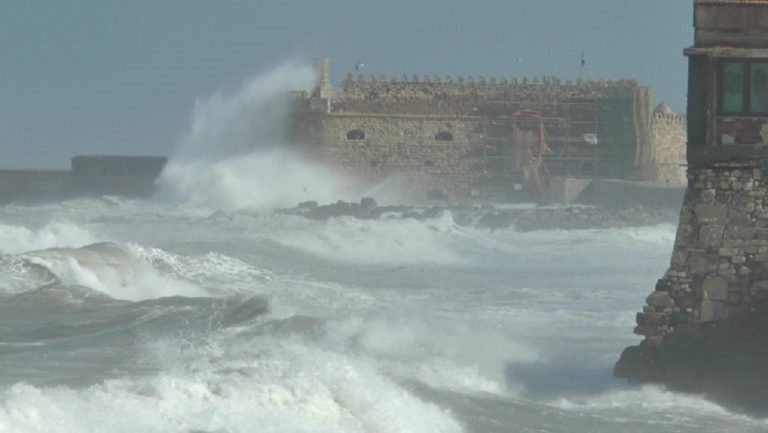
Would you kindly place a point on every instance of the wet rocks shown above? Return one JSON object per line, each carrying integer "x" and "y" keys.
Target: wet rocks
{"x": 492, "y": 218}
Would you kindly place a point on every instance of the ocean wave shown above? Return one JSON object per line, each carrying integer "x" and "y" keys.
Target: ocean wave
{"x": 17, "y": 239}
{"x": 266, "y": 385}
{"x": 667, "y": 407}
{"x": 380, "y": 242}
{"x": 438, "y": 353}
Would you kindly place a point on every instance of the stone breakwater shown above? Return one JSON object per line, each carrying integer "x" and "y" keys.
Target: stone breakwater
{"x": 489, "y": 217}
{"x": 706, "y": 323}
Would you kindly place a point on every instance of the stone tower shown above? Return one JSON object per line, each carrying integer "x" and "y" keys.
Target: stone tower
{"x": 324, "y": 88}
{"x": 706, "y": 323}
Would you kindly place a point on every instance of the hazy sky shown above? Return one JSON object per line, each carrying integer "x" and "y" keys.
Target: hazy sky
{"x": 108, "y": 76}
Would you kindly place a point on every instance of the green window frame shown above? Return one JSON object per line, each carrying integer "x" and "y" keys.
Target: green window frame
{"x": 758, "y": 88}
{"x": 732, "y": 85}
{"x": 744, "y": 88}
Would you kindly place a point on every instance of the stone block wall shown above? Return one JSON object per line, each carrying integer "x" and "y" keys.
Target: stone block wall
{"x": 436, "y": 88}
{"x": 719, "y": 266}
{"x": 668, "y": 138}
{"x": 406, "y": 147}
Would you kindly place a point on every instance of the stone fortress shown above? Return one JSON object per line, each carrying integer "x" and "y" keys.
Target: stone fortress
{"x": 706, "y": 323}
{"x": 465, "y": 139}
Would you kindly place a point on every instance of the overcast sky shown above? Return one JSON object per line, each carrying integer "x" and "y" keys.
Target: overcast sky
{"x": 108, "y": 76}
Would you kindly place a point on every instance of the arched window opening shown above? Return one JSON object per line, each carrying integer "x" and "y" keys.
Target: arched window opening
{"x": 355, "y": 134}
{"x": 444, "y": 136}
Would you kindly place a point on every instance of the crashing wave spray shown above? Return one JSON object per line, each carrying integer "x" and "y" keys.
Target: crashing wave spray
{"x": 236, "y": 156}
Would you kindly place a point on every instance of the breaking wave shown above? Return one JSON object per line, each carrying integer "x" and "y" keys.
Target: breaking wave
{"x": 236, "y": 155}
{"x": 112, "y": 269}
{"x": 16, "y": 238}
{"x": 286, "y": 388}
{"x": 381, "y": 242}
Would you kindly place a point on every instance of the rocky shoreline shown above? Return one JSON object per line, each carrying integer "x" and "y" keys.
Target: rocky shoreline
{"x": 522, "y": 219}
{"x": 726, "y": 362}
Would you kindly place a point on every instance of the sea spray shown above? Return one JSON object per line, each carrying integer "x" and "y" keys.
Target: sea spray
{"x": 236, "y": 154}
{"x": 17, "y": 238}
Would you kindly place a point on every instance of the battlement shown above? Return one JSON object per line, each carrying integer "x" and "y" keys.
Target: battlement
{"x": 439, "y": 87}
{"x": 671, "y": 118}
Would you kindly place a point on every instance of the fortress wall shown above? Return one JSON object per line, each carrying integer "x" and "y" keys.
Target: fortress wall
{"x": 405, "y": 147}
{"x": 400, "y": 117}
{"x": 669, "y": 136}
{"x": 536, "y": 89}
{"x": 447, "y": 107}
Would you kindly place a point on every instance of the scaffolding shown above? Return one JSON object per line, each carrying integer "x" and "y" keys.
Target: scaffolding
{"x": 524, "y": 144}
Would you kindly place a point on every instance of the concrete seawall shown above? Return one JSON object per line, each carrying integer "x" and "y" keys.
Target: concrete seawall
{"x": 621, "y": 194}
{"x": 90, "y": 176}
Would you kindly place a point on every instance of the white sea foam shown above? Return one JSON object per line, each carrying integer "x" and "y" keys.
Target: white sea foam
{"x": 341, "y": 349}
{"x": 265, "y": 386}
{"x": 17, "y": 239}
{"x": 381, "y": 242}
{"x": 442, "y": 354}
{"x": 667, "y": 406}
{"x": 220, "y": 274}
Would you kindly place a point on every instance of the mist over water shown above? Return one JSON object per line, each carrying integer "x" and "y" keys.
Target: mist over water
{"x": 237, "y": 153}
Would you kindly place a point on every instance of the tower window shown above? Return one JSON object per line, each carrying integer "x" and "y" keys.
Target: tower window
{"x": 744, "y": 88}
{"x": 733, "y": 88}
{"x": 444, "y": 136}
{"x": 758, "y": 88}
{"x": 355, "y": 134}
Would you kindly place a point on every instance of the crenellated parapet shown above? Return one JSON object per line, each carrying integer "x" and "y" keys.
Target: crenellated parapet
{"x": 443, "y": 87}
{"x": 676, "y": 118}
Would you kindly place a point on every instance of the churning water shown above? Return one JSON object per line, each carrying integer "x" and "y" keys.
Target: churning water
{"x": 166, "y": 316}
{"x": 143, "y": 317}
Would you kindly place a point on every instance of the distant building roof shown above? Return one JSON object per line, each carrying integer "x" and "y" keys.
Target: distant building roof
{"x": 663, "y": 108}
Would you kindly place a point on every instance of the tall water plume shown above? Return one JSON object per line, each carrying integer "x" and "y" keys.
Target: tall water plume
{"x": 236, "y": 154}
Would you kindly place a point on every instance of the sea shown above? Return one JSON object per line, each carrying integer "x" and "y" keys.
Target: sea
{"x": 202, "y": 310}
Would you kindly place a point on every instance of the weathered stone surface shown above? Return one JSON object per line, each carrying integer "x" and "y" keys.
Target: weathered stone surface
{"x": 660, "y": 299}
{"x": 650, "y": 319}
{"x": 711, "y": 235}
{"x": 713, "y": 213}
{"x": 694, "y": 339}
{"x": 707, "y": 310}
{"x": 680, "y": 258}
{"x": 702, "y": 263}
{"x": 716, "y": 288}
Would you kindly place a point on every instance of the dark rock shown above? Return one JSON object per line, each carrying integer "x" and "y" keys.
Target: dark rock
{"x": 488, "y": 217}
{"x": 368, "y": 203}
{"x": 660, "y": 299}
{"x": 727, "y": 363}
